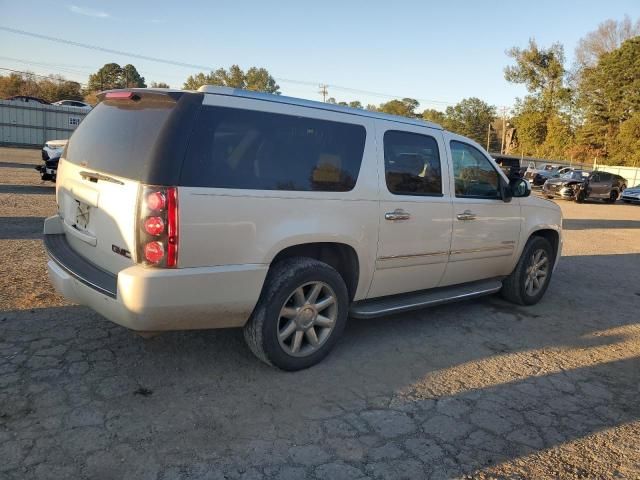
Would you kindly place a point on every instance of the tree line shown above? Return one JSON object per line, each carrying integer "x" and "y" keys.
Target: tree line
{"x": 589, "y": 110}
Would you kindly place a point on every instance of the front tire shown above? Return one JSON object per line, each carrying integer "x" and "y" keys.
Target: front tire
{"x": 529, "y": 280}
{"x": 300, "y": 315}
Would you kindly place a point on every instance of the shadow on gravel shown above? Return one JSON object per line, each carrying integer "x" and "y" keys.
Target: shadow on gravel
{"x": 21, "y": 228}
{"x": 384, "y": 382}
{"x": 590, "y": 223}
{"x": 28, "y": 189}
{"x": 17, "y": 165}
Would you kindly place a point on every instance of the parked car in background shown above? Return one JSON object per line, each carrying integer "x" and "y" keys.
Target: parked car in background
{"x": 580, "y": 185}
{"x": 51, "y": 152}
{"x": 510, "y": 166}
{"x": 631, "y": 195}
{"x": 27, "y": 99}
{"x": 228, "y": 208}
{"x": 537, "y": 176}
{"x": 73, "y": 103}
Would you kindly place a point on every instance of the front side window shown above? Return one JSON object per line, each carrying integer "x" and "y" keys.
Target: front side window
{"x": 473, "y": 173}
{"x": 248, "y": 149}
{"x": 412, "y": 164}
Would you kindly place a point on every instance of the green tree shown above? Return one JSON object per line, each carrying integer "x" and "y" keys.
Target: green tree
{"x": 355, "y": 104}
{"x": 470, "y": 117}
{"x": 52, "y": 88}
{"x": 542, "y": 71}
{"x": 159, "y": 85}
{"x": 107, "y": 78}
{"x": 131, "y": 78}
{"x": 558, "y": 138}
{"x": 609, "y": 95}
{"x": 112, "y": 76}
{"x": 531, "y": 127}
{"x": 405, "y": 107}
{"x": 436, "y": 116}
{"x": 57, "y": 88}
{"x": 626, "y": 147}
{"x": 256, "y": 79}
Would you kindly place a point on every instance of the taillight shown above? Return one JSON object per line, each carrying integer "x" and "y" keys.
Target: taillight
{"x": 157, "y": 241}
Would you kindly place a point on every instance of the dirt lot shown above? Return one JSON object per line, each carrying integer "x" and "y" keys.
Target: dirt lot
{"x": 479, "y": 389}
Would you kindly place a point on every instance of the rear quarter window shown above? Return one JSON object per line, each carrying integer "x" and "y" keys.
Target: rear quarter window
{"x": 247, "y": 149}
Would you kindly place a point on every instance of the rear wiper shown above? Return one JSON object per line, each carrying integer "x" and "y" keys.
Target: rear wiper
{"x": 95, "y": 176}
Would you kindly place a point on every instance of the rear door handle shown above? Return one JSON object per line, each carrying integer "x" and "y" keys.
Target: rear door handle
{"x": 466, "y": 215}
{"x": 397, "y": 214}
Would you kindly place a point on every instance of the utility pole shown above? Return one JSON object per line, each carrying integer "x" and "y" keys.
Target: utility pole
{"x": 504, "y": 127}
{"x": 323, "y": 91}
{"x": 488, "y": 136}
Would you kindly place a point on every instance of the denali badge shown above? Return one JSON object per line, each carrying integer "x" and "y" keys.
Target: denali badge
{"x": 121, "y": 251}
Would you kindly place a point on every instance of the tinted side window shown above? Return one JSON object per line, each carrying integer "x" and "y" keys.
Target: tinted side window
{"x": 412, "y": 164}
{"x": 474, "y": 175}
{"x": 247, "y": 149}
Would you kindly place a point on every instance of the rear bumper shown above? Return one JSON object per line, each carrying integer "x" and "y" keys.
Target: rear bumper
{"x": 148, "y": 299}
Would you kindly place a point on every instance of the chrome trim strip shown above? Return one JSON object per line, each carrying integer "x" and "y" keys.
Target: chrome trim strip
{"x": 451, "y": 252}
{"x": 413, "y": 255}
{"x": 483, "y": 249}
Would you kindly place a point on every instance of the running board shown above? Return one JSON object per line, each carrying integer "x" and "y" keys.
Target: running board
{"x": 378, "y": 307}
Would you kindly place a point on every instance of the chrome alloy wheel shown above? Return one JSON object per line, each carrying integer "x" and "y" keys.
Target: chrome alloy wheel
{"x": 537, "y": 272}
{"x": 307, "y": 319}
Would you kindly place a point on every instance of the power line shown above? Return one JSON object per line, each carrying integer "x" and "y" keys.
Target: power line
{"x": 53, "y": 79}
{"x": 102, "y": 49}
{"x": 205, "y": 67}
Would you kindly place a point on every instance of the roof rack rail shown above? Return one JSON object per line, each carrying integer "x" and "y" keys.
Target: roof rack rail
{"x": 269, "y": 97}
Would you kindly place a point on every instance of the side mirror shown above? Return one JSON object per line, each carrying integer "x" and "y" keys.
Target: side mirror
{"x": 520, "y": 188}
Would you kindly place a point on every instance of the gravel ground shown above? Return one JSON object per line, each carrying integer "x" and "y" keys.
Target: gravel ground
{"x": 480, "y": 389}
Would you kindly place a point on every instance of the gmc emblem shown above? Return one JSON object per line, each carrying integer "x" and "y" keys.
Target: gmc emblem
{"x": 121, "y": 251}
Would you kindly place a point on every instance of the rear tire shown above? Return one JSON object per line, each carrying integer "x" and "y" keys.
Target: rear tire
{"x": 529, "y": 280}
{"x": 300, "y": 315}
{"x": 613, "y": 196}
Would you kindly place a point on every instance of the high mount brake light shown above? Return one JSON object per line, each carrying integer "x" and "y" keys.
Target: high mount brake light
{"x": 158, "y": 232}
{"x": 121, "y": 96}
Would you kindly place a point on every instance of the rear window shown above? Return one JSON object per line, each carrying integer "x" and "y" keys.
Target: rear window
{"x": 246, "y": 149}
{"x": 118, "y": 136}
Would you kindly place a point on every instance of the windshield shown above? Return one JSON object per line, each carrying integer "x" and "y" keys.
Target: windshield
{"x": 575, "y": 175}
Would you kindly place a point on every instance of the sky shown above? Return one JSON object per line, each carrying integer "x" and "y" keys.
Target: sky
{"x": 435, "y": 52}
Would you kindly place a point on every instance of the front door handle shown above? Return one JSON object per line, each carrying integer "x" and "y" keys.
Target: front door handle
{"x": 466, "y": 215}
{"x": 397, "y": 214}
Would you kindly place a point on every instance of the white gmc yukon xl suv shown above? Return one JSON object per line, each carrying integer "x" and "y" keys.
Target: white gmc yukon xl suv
{"x": 227, "y": 208}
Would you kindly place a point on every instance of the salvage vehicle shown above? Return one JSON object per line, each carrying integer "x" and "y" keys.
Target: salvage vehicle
{"x": 51, "y": 152}
{"x": 228, "y": 208}
{"x": 631, "y": 195}
{"x": 74, "y": 104}
{"x": 579, "y": 185}
{"x": 537, "y": 177}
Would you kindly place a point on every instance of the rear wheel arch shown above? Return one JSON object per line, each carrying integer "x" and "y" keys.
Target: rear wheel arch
{"x": 342, "y": 257}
